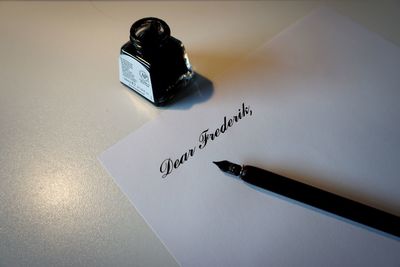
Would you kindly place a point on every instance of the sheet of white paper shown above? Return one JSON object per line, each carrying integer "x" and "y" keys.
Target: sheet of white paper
{"x": 324, "y": 99}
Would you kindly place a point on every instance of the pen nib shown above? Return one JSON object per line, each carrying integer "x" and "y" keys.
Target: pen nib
{"x": 228, "y": 167}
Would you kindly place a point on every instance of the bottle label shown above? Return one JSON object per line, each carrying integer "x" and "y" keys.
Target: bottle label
{"x": 135, "y": 76}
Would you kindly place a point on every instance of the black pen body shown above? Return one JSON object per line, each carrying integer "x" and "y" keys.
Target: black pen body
{"x": 321, "y": 199}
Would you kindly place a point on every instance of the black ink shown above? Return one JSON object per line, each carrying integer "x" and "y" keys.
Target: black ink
{"x": 223, "y": 126}
{"x": 165, "y": 64}
{"x": 217, "y": 131}
{"x": 205, "y": 137}
{"x": 168, "y": 165}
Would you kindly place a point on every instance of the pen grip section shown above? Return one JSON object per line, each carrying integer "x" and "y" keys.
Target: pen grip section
{"x": 323, "y": 200}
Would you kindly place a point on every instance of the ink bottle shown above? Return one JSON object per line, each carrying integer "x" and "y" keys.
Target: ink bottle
{"x": 153, "y": 63}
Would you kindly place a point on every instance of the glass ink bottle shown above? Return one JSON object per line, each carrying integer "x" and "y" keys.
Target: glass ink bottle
{"x": 153, "y": 63}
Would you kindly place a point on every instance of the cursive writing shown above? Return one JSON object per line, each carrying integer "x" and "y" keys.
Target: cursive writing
{"x": 205, "y": 137}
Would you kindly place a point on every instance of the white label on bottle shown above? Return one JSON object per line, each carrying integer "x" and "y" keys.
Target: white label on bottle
{"x": 135, "y": 76}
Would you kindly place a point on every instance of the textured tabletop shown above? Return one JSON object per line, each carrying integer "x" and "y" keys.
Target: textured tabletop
{"x": 61, "y": 105}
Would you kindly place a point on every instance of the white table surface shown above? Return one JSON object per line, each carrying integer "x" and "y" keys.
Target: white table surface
{"x": 61, "y": 105}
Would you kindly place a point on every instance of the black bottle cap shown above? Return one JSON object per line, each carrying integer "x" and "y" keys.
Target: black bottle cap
{"x": 149, "y": 32}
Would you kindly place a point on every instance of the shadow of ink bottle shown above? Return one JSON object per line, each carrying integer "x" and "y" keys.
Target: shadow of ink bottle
{"x": 153, "y": 63}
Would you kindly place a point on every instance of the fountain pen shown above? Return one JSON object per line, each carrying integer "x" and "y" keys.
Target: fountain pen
{"x": 315, "y": 197}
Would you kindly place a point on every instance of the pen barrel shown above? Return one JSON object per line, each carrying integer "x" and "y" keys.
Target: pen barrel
{"x": 323, "y": 200}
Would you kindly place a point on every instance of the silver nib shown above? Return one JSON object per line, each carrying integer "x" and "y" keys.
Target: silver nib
{"x": 228, "y": 167}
